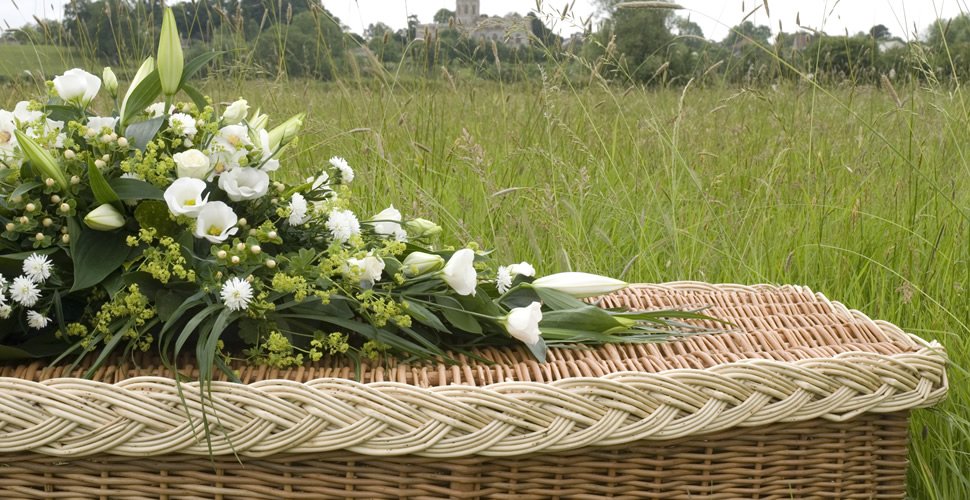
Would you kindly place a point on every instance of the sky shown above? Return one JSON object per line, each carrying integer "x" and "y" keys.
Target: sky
{"x": 904, "y": 18}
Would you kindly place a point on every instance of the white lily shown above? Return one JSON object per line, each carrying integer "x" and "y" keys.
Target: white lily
{"x": 580, "y": 285}
{"x": 184, "y": 197}
{"x": 216, "y": 222}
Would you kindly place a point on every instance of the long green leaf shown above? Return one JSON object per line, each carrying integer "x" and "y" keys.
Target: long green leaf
{"x": 135, "y": 190}
{"x": 103, "y": 192}
{"x": 424, "y": 316}
{"x": 141, "y": 97}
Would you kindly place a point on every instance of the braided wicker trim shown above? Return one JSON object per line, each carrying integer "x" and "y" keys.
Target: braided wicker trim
{"x": 145, "y": 416}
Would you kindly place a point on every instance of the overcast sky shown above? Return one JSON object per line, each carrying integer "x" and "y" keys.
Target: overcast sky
{"x": 902, "y": 17}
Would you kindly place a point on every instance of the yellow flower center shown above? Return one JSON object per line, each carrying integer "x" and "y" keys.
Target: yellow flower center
{"x": 189, "y": 203}
{"x": 235, "y": 140}
{"x": 4, "y": 137}
{"x": 215, "y": 230}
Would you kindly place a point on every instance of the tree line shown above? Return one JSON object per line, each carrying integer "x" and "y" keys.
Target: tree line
{"x": 301, "y": 38}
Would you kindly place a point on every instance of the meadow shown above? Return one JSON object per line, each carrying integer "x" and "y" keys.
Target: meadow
{"x": 857, "y": 192}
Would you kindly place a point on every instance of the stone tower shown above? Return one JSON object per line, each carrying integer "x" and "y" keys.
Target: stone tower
{"x": 467, "y": 12}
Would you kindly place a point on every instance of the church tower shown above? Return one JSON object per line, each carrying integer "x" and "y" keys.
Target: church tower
{"x": 467, "y": 12}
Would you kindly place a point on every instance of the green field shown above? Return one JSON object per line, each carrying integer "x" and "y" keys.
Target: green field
{"x": 847, "y": 192}
{"x": 42, "y": 61}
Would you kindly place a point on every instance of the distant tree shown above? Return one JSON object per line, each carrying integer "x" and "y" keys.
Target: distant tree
{"x": 949, "y": 43}
{"x": 542, "y": 32}
{"x": 444, "y": 16}
{"x": 745, "y": 33}
{"x": 880, "y": 32}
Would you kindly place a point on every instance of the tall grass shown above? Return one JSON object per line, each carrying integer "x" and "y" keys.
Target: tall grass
{"x": 859, "y": 192}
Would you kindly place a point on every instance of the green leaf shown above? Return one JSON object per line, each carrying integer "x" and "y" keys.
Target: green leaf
{"x": 539, "y": 350}
{"x": 154, "y": 214}
{"x": 141, "y": 133}
{"x": 453, "y": 312}
{"x": 134, "y": 189}
{"x": 590, "y": 318}
{"x": 197, "y": 97}
{"x": 37, "y": 347}
{"x": 167, "y": 302}
{"x": 100, "y": 187}
{"x": 25, "y": 188}
{"x": 424, "y": 316}
{"x": 63, "y": 112}
{"x": 96, "y": 255}
{"x": 198, "y": 62}
{"x": 142, "y": 96}
{"x": 555, "y": 299}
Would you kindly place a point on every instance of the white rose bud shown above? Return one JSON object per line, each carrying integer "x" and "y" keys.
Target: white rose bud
{"x": 192, "y": 163}
{"x": 522, "y": 323}
{"x": 236, "y": 112}
{"x": 460, "y": 273}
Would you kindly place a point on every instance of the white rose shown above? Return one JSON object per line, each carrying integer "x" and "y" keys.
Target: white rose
{"x": 184, "y": 196}
{"x": 216, "y": 222}
{"x": 244, "y": 183}
{"x": 522, "y": 323}
{"x": 460, "y": 273}
{"x": 77, "y": 86}
{"x": 192, "y": 163}
{"x": 236, "y": 112}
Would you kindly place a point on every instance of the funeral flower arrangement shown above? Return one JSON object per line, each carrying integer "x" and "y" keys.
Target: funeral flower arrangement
{"x": 139, "y": 221}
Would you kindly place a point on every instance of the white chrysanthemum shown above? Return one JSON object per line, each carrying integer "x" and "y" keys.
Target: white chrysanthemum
{"x": 298, "y": 209}
{"x": 24, "y": 292}
{"x": 37, "y": 320}
{"x": 503, "y": 279}
{"x": 38, "y": 268}
{"x": 101, "y": 123}
{"x": 3, "y": 285}
{"x": 236, "y": 294}
{"x": 182, "y": 124}
{"x": 343, "y": 225}
{"x": 5, "y": 311}
{"x": 346, "y": 173}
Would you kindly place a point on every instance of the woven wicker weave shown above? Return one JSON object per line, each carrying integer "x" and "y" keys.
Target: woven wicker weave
{"x": 806, "y": 399}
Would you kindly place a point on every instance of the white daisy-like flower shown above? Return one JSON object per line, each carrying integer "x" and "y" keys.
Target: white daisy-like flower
{"x": 236, "y": 294}
{"x": 37, "y": 320}
{"x": 101, "y": 123}
{"x": 5, "y": 311}
{"x": 343, "y": 225}
{"x": 38, "y": 268}
{"x": 3, "y": 284}
{"x": 346, "y": 173}
{"x": 503, "y": 279}
{"x": 182, "y": 124}
{"x": 298, "y": 209}
{"x": 24, "y": 291}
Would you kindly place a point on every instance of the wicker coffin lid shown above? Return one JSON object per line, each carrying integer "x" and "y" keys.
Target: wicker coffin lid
{"x": 795, "y": 356}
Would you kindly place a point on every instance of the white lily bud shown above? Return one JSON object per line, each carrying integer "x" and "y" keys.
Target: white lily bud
{"x": 236, "y": 112}
{"x": 110, "y": 81}
{"x": 418, "y": 263}
{"x": 170, "y": 59}
{"x": 580, "y": 285}
{"x": 104, "y": 218}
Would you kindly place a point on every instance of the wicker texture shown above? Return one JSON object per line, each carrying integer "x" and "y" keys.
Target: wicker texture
{"x": 805, "y": 399}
